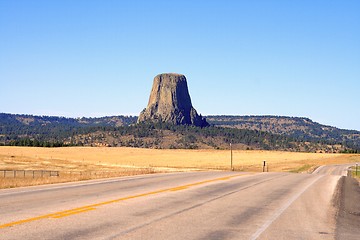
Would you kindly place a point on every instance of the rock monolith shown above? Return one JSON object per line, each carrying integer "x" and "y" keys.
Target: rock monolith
{"x": 170, "y": 102}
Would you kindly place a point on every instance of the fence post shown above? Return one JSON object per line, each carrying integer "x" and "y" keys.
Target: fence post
{"x": 264, "y": 166}
{"x": 33, "y": 173}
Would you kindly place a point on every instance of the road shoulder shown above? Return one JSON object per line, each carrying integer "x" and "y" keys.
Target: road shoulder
{"x": 346, "y": 200}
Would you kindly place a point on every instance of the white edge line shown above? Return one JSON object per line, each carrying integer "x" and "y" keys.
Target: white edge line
{"x": 318, "y": 169}
{"x": 72, "y": 184}
{"x": 56, "y": 186}
{"x": 281, "y": 210}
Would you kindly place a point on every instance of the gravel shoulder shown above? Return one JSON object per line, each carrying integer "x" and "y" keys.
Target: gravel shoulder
{"x": 347, "y": 201}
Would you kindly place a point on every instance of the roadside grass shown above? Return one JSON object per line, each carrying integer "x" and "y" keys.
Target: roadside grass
{"x": 355, "y": 174}
{"x": 307, "y": 168}
{"x": 108, "y": 162}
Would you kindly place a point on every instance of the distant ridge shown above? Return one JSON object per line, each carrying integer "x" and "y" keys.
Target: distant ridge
{"x": 298, "y": 127}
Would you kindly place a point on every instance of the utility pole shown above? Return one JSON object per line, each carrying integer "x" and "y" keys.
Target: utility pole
{"x": 231, "y": 158}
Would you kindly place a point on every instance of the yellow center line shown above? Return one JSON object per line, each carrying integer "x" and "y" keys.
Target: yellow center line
{"x": 91, "y": 207}
{"x": 72, "y": 212}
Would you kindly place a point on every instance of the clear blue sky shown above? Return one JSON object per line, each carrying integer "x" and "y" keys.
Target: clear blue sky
{"x": 98, "y": 58}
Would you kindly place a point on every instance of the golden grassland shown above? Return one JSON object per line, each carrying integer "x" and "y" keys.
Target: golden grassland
{"x": 109, "y": 162}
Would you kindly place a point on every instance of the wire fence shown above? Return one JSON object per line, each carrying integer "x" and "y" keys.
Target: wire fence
{"x": 9, "y": 173}
{"x": 28, "y": 173}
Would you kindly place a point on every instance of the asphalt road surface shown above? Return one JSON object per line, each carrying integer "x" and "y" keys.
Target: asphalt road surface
{"x": 192, "y": 205}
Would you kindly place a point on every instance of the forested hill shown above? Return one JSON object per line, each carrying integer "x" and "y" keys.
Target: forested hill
{"x": 35, "y": 121}
{"x": 248, "y": 132}
{"x": 15, "y": 126}
{"x": 299, "y": 128}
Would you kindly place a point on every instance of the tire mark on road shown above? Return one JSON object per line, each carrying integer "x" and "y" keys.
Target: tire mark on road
{"x": 87, "y": 208}
{"x": 188, "y": 208}
{"x": 273, "y": 217}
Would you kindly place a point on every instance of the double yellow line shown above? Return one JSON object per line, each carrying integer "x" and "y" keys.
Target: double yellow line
{"x": 91, "y": 207}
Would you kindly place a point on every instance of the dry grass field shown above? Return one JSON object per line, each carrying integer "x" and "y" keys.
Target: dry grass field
{"x": 107, "y": 162}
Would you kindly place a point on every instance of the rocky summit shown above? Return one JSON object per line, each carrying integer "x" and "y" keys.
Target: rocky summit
{"x": 170, "y": 102}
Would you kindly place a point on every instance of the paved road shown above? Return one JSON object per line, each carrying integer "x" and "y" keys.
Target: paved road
{"x": 198, "y": 205}
{"x": 340, "y": 169}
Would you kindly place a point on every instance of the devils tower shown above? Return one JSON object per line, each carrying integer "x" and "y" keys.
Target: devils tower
{"x": 170, "y": 102}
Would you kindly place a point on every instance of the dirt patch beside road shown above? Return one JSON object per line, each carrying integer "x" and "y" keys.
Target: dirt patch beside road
{"x": 347, "y": 201}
